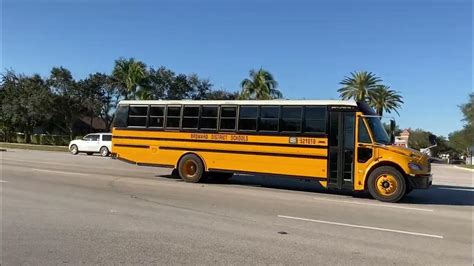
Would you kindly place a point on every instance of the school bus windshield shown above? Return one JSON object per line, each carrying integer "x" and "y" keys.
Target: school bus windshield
{"x": 378, "y": 131}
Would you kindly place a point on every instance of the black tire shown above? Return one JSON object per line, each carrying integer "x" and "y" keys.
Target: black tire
{"x": 175, "y": 173}
{"x": 387, "y": 184}
{"x": 89, "y": 153}
{"x": 221, "y": 176}
{"x": 74, "y": 149}
{"x": 191, "y": 168}
{"x": 104, "y": 151}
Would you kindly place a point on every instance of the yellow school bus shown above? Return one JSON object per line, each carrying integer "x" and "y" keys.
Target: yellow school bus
{"x": 341, "y": 144}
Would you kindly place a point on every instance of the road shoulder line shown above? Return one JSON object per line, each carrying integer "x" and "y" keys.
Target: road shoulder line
{"x": 361, "y": 226}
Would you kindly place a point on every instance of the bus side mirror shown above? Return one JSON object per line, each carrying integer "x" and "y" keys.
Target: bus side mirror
{"x": 392, "y": 131}
{"x": 393, "y": 125}
{"x": 432, "y": 139}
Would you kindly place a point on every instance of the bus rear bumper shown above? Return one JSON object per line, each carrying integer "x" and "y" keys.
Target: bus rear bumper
{"x": 420, "y": 181}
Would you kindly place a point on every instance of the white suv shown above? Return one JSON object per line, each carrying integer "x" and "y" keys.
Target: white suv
{"x": 92, "y": 143}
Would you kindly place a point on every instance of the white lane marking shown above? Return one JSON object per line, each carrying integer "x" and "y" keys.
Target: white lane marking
{"x": 376, "y": 205}
{"x": 59, "y": 172}
{"x": 41, "y": 162}
{"x": 361, "y": 226}
{"x": 3, "y": 181}
{"x": 461, "y": 189}
{"x": 74, "y": 165}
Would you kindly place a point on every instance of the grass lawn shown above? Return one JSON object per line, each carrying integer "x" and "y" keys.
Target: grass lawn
{"x": 466, "y": 166}
{"x": 4, "y": 145}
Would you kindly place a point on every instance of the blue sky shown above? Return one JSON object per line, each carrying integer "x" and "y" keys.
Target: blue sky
{"x": 421, "y": 48}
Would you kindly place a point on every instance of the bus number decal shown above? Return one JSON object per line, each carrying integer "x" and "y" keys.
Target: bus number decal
{"x": 307, "y": 141}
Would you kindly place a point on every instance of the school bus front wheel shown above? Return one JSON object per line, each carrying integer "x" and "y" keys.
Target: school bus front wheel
{"x": 387, "y": 184}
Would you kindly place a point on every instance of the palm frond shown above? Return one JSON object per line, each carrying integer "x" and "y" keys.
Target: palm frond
{"x": 260, "y": 85}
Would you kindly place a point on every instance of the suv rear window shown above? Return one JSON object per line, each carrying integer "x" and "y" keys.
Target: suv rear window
{"x": 106, "y": 137}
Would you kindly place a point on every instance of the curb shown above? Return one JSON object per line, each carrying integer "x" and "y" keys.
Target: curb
{"x": 1, "y": 149}
{"x": 462, "y": 168}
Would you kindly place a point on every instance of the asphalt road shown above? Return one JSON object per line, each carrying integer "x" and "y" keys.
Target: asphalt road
{"x": 58, "y": 208}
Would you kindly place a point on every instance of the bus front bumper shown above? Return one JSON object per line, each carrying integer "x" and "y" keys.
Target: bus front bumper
{"x": 420, "y": 181}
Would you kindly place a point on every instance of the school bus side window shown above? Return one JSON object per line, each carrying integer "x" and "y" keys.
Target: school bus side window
{"x": 291, "y": 118}
{"x": 315, "y": 119}
{"x": 208, "y": 119}
{"x": 248, "y": 118}
{"x": 269, "y": 116}
{"x": 228, "y": 118}
{"x": 190, "y": 117}
{"x": 137, "y": 116}
{"x": 157, "y": 115}
{"x": 173, "y": 116}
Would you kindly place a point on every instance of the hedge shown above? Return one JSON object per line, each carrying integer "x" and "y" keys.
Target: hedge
{"x": 42, "y": 139}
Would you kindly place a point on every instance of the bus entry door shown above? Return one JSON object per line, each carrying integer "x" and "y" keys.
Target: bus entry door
{"x": 341, "y": 149}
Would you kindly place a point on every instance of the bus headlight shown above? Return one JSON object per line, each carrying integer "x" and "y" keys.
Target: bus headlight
{"x": 414, "y": 166}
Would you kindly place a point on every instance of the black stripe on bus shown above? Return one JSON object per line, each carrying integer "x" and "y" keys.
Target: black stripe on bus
{"x": 145, "y": 164}
{"x": 245, "y": 152}
{"x": 269, "y": 174}
{"x": 226, "y": 142}
{"x": 132, "y": 146}
{"x": 156, "y": 165}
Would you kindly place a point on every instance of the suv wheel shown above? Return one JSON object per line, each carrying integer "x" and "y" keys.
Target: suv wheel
{"x": 104, "y": 151}
{"x": 74, "y": 150}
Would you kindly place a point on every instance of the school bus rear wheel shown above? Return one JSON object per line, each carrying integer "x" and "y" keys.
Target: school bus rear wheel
{"x": 387, "y": 184}
{"x": 191, "y": 168}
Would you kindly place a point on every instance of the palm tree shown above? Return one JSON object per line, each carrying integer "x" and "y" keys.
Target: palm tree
{"x": 144, "y": 94}
{"x": 260, "y": 86}
{"x": 358, "y": 85}
{"x": 129, "y": 75}
{"x": 382, "y": 98}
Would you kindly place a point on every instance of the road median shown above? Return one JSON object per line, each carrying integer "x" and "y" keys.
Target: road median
{"x": 467, "y": 168}
{"x": 4, "y": 146}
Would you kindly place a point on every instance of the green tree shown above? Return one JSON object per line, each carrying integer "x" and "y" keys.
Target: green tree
{"x": 160, "y": 82}
{"x": 468, "y": 110}
{"x": 222, "y": 95}
{"x": 100, "y": 97}
{"x": 180, "y": 88}
{"x": 199, "y": 87}
{"x": 110, "y": 98}
{"x": 68, "y": 101}
{"x": 358, "y": 85}
{"x": 91, "y": 91}
{"x": 260, "y": 86}
{"x": 6, "y": 125}
{"x": 165, "y": 84}
{"x": 382, "y": 98}
{"x": 130, "y": 76}
{"x": 462, "y": 139}
{"x": 419, "y": 139}
{"x": 26, "y": 102}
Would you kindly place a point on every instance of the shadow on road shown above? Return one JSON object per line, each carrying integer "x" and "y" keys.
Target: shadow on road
{"x": 442, "y": 195}
{"x": 436, "y": 195}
